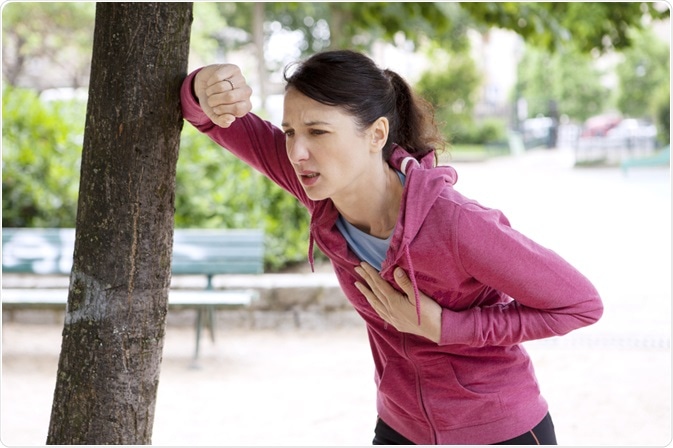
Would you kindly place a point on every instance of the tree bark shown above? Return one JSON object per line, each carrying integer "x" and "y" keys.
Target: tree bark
{"x": 113, "y": 334}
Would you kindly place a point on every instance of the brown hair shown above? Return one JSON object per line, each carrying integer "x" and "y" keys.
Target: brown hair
{"x": 352, "y": 81}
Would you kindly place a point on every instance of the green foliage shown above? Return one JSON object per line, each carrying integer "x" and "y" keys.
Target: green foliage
{"x": 661, "y": 111}
{"x": 645, "y": 67}
{"x": 354, "y": 25}
{"x": 56, "y": 33}
{"x": 451, "y": 87}
{"x": 216, "y": 190}
{"x": 488, "y": 131}
{"x": 583, "y": 26}
{"x": 416, "y": 21}
{"x": 41, "y": 153}
{"x": 207, "y": 31}
{"x": 568, "y": 78}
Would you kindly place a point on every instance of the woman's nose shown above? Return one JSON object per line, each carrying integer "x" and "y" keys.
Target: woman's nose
{"x": 297, "y": 151}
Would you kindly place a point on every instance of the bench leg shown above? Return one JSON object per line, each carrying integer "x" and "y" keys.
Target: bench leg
{"x": 204, "y": 315}
{"x": 197, "y": 330}
{"x": 211, "y": 323}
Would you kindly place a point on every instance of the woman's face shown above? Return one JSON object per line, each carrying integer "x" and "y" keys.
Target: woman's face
{"x": 330, "y": 155}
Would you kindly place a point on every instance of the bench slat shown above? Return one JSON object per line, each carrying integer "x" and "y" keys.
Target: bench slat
{"x": 195, "y": 251}
{"x": 34, "y": 296}
{"x": 217, "y": 299}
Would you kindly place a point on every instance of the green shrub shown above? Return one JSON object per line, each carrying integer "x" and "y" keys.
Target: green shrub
{"x": 41, "y": 153}
{"x": 488, "y": 131}
{"x": 451, "y": 87}
{"x": 661, "y": 110}
{"x": 215, "y": 189}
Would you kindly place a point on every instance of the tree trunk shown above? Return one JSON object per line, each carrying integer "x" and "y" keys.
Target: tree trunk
{"x": 339, "y": 17}
{"x": 258, "y": 40}
{"x": 111, "y": 351}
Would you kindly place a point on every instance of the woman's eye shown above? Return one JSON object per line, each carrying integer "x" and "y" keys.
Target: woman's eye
{"x": 318, "y": 132}
{"x": 289, "y": 133}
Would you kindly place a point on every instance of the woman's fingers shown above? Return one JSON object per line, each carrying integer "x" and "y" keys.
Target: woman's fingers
{"x": 223, "y": 93}
{"x": 397, "y": 308}
{"x": 383, "y": 290}
{"x": 374, "y": 301}
{"x": 385, "y": 299}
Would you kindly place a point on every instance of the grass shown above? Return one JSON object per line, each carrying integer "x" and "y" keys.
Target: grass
{"x": 472, "y": 153}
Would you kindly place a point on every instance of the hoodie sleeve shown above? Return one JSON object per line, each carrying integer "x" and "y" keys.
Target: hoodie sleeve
{"x": 550, "y": 297}
{"x": 253, "y": 140}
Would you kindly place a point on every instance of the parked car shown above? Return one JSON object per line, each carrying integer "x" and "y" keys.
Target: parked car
{"x": 599, "y": 125}
{"x": 633, "y": 128}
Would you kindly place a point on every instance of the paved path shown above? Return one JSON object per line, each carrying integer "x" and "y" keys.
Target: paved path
{"x": 608, "y": 385}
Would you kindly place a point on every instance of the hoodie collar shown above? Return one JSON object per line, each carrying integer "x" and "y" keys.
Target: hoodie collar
{"x": 422, "y": 188}
{"x": 401, "y": 160}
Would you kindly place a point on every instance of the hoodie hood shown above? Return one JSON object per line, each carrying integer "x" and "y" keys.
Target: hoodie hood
{"x": 421, "y": 176}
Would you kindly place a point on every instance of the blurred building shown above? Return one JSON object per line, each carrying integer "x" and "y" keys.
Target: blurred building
{"x": 497, "y": 53}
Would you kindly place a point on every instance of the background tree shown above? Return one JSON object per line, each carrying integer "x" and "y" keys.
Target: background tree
{"x": 109, "y": 366}
{"x": 586, "y": 26}
{"x": 645, "y": 67}
{"x": 319, "y": 26}
{"x": 451, "y": 87}
{"x": 566, "y": 77}
{"x": 47, "y": 37}
{"x": 661, "y": 110}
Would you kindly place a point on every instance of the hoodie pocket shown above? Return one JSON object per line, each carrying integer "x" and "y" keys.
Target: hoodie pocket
{"x": 397, "y": 389}
{"x": 452, "y": 403}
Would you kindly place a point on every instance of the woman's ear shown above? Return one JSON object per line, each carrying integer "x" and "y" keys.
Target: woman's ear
{"x": 379, "y": 132}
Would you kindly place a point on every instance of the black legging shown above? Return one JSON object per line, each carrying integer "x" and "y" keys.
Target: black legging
{"x": 542, "y": 434}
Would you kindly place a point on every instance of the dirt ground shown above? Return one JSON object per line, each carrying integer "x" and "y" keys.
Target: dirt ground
{"x": 310, "y": 388}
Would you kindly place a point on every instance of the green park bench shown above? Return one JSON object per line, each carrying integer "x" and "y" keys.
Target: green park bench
{"x": 207, "y": 252}
{"x": 662, "y": 157}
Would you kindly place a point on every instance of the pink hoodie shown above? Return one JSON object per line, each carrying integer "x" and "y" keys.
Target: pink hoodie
{"x": 497, "y": 289}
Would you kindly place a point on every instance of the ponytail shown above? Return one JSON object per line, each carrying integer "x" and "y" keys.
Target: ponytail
{"x": 415, "y": 128}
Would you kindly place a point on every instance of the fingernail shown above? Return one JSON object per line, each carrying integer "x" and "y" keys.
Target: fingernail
{"x": 399, "y": 272}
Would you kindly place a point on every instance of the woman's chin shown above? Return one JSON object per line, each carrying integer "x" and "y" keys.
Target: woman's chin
{"x": 314, "y": 195}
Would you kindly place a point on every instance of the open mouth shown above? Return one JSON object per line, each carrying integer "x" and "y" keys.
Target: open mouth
{"x": 309, "y": 179}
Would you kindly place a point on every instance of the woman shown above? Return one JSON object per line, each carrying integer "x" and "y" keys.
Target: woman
{"x": 447, "y": 289}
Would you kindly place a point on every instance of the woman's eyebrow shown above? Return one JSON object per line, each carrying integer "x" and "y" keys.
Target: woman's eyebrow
{"x": 308, "y": 123}
{"x": 315, "y": 122}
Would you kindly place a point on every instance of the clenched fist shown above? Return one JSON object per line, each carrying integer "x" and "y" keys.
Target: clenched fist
{"x": 223, "y": 93}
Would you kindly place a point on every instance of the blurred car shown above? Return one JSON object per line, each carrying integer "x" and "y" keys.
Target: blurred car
{"x": 600, "y": 125}
{"x": 633, "y": 128}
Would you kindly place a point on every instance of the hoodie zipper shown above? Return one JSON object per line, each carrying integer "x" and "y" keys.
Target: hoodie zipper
{"x": 421, "y": 399}
{"x": 416, "y": 298}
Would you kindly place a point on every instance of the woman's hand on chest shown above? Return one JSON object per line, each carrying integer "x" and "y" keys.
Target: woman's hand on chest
{"x": 399, "y": 309}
